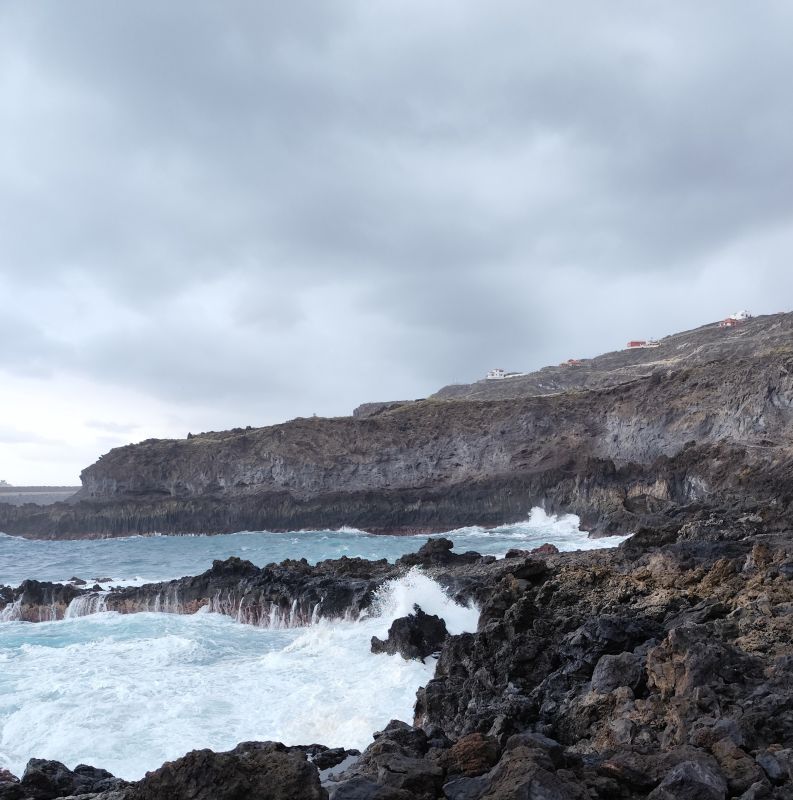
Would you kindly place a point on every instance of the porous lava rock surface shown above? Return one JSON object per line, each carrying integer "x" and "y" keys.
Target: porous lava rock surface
{"x": 415, "y": 636}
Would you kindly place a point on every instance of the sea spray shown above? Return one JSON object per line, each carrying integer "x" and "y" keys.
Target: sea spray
{"x": 397, "y": 598}
{"x": 12, "y": 611}
{"x": 86, "y": 604}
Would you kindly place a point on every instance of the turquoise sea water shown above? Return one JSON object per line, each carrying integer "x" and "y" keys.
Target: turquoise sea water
{"x": 147, "y": 559}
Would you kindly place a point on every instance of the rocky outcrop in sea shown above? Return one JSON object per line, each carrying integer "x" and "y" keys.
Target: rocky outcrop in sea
{"x": 290, "y": 594}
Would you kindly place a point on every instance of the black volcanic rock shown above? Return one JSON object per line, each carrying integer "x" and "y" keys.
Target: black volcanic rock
{"x": 47, "y": 780}
{"x": 415, "y": 636}
{"x": 39, "y": 601}
{"x": 691, "y": 780}
{"x": 7, "y": 777}
{"x": 395, "y": 762}
{"x": 252, "y": 771}
{"x": 637, "y": 672}
{"x": 292, "y": 593}
{"x": 437, "y": 552}
{"x": 328, "y": 757}
{"x": 613, "y": 671}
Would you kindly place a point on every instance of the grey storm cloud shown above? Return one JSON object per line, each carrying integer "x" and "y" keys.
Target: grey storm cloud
{"x": 276, "y": 208}
{"x": 111, "y": 427}
{"x": 10, "y": 435}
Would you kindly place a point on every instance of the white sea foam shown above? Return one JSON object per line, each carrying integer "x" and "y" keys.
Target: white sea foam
{"x": 397, "y": 598}
{"x": 127, "y": 692}
{"x": 561, "y": 530}
{"x": 11, "y": 612}
{"x": 539, "y": 520}
{"x": 86, "y": 604}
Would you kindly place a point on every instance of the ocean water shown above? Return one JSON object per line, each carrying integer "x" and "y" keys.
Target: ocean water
{"x": 127, "y": 692}
{"x": 148, "y": 559}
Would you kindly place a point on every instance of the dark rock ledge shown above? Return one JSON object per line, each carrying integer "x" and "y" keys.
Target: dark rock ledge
{"x": 292, "y": 593}
{"x": 654, "y": 671}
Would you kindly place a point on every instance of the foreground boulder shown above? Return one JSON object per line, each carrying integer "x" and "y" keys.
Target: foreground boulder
{"x": 415, "y": 636}
{"x": 47, "y": 780}
{"x": 251, "y": 771}
{"x": 393, "y": 767}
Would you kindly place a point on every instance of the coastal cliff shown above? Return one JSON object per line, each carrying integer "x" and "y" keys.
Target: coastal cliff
{"x": 632, "y": 448}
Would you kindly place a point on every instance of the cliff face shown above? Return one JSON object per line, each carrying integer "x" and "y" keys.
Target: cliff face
{"x": 687, "y": 433}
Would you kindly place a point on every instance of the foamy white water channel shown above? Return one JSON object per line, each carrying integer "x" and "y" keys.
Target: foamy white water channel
{"x": 129, "y": 692}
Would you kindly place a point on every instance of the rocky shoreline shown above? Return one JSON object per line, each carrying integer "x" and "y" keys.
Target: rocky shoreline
{"x": 662, "y": 669}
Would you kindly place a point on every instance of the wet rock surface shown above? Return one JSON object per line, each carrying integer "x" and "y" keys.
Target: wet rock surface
{"x": 413, "y": 637}
{"x": 292, "y": 593}
{"x": 46, "y": 780}
{"x": 253, "y": 770}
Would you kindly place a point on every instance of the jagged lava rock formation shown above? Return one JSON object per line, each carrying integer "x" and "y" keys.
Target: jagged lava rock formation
{"x": 290, "y": 594}
{"x": 707, "y": 413}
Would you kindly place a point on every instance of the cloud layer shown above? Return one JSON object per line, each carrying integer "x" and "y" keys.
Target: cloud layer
{"x": 227, "y": 214}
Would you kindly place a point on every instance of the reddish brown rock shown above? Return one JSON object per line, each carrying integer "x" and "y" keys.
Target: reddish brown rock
{"x": 471, "y": 755}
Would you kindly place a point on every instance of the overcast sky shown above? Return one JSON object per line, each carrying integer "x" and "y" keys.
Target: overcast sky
{"x": 233, "y": 213}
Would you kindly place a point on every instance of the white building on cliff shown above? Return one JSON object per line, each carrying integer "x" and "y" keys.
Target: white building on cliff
{"x": 496, "y": 374}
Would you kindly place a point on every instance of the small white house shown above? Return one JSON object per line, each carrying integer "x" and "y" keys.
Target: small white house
{"x": 496, "y": 374}
{"x": 740, "y": 316}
